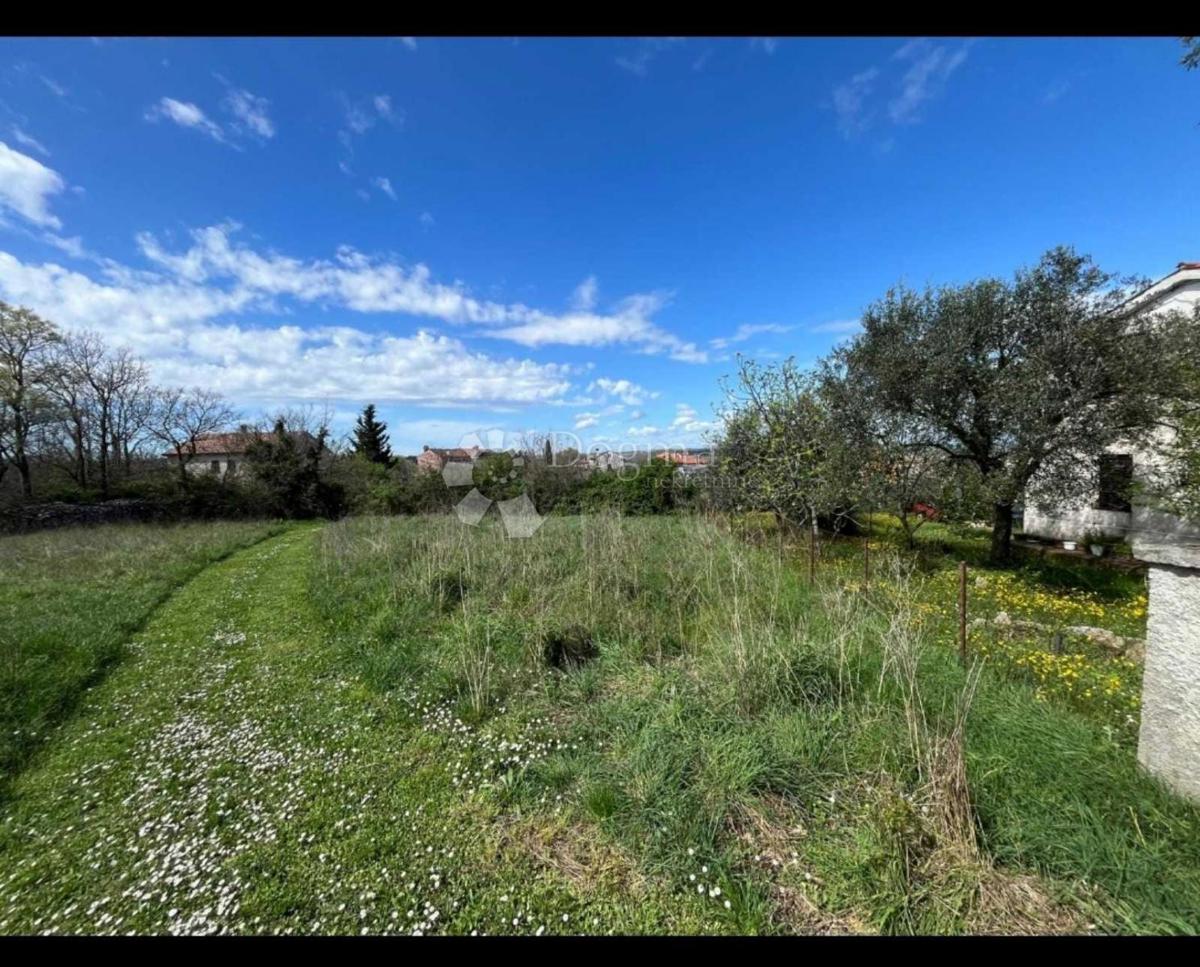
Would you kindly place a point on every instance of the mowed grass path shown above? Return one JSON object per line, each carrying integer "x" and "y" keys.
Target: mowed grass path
{"x": 71, "y": 598}
{"x": 230, "y": 776}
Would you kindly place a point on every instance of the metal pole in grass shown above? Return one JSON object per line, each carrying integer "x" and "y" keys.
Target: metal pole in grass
{"x": 867, "y": 557}
{"x": 812, "y": 551}
{"x": 962, "y": 612}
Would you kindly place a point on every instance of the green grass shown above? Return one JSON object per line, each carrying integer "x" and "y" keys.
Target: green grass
{"x": 356, "y": 729}
{"x": 727, "y": 690}
{"x": 71, "y": 598}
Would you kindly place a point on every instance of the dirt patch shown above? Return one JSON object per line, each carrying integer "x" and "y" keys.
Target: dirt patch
{"x": 568, "y": 648}
{"x": 1014, "y": 903}
{"x": 773, "y": 830}
{"x": 576, "y": 853}
{"x": 448, "y": 589}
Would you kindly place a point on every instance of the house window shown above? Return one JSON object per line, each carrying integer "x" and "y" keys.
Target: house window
{"x": 215, "y": 466}
{"x": 1116, "y": 481}
{"x": 230, "y": 467}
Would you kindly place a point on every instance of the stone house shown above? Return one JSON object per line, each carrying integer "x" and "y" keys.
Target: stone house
{"x": 219, "y": 454}
{"x": 434, "y": 459}
{"x": 1109, "y": 511}
{"x": 687, "y": 463}
{"x": 224, "y": 454}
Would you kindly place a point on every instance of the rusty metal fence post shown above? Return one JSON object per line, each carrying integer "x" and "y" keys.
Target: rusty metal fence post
{"x": 962, "y": 612}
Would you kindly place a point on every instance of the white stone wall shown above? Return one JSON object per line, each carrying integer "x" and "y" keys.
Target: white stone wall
{"x": 203, "y": 463}
{"x": 1070, "y": 522}
{"x": 1169, "y": 741}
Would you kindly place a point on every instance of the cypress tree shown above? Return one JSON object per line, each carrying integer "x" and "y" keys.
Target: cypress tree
{"x": 371, "y": 439}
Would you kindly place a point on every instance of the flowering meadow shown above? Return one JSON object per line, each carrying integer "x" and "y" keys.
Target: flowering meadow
{"x": 409, "y": 726}
{"x": 1095, "y": 681}
{"x": 70, "y": 599}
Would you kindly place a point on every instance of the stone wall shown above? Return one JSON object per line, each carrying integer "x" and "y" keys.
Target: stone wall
{"x": 33, "y": 517}
{"x": 1169, "y": 741}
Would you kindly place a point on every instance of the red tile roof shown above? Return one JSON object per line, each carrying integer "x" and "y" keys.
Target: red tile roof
{"x": 225, "y": 442}
{"x": 236, "y": 442}
{"x": 684, "y": 459}
{"x": 456, "y": 453}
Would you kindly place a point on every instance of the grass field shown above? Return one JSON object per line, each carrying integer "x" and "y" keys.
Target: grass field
{"x": 640, "y": 725}
{"x": 70, "y": 599}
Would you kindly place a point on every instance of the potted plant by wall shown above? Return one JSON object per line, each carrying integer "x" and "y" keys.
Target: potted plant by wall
{"x": 1096, "y": 542}
{"x": 1068, "y": 545}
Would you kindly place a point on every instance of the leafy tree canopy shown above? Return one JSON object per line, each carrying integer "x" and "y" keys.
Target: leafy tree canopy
{"x": 1023, "y": 379}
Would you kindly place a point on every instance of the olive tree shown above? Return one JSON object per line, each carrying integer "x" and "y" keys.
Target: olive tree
{"x": 885, "y": 462}
{"x": 1022, "y": 379}
{"x": 782, "y": 448}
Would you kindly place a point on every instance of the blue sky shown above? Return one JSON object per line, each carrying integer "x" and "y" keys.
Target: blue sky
{"x": 542, "y": 234}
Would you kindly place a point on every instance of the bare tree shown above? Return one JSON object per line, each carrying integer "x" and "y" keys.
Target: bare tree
{"x": 72, "y": 396}
{"x": 5, "y": 441}
{"x": 108, "y": 374}
{"x": 133, "y": 410}
{"x": 26, "y": 341}
{"x": 181, "y": 417}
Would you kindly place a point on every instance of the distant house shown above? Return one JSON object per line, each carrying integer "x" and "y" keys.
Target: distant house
{"x": 224, "y": 454}
{"x": 606, "y": 460}
{"x": 434, "y": 459}
{"x": 1109, "y": 511}
{"x": 220, "y": 454}
{"x": 687, "y": 462}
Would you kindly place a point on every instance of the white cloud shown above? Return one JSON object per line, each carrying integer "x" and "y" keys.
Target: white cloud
{"x": 54, "y": 87}
{"x": 1056, "y": 91}
{"x": 409, "y": 42}
{"x": 73, "y": 246}
{"x": 930, "y": 66}
{"x": 584, "y": 421}
{"x": 849, "y": 102}
{"x": 838, "y": 326}
{"x": 766, "y": 44}
{"x": 181, "y": 308}
{"x": 251, "y": 112}
{"x": 687, "y": 420}
{"x": 361, "y": 116}
{"x": 583, "y": 299}
{"x": 629, "y": 393}
{"x": 26, "y": 186}
{"x": 29, "y": 141}
{"x": 172, "y": 324}
{"x": 385, "y": 185}
{"x": 638, "y": 60}
{"x": 746, "y": 331}
{"x": 629, "y": 323}
{"x": 186, "y": 115}
{"x": 427, "y": 220}
{"x": 644, "y": 431}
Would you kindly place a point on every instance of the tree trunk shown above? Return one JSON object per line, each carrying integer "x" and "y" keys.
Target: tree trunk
{"x": 20, "y": 459}
{"x": 1002, "y": 524}
{"x": 104, "y": 439}
{"x": 80, "y": 455}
